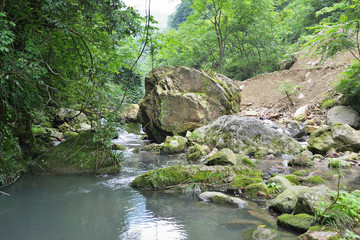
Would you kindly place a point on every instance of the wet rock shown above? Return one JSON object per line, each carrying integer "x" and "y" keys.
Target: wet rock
{"x": 338, "y": 136}
{"x": 299, "y": 222}
{"x": 222, "y": 198}
{"x": 345, "y": 115}
{"x": 264, "y": 233}
{"x": 179, "y": 177}
{"x": 302, "y": 159}
{"x": 117, "y": 146}
{"x": 178, "y": 99}
{"x": 174, "y": 144}
{"x": 246, "y": 135}
{"x": 151, "y": 147}
{"x": 223, "y": 157}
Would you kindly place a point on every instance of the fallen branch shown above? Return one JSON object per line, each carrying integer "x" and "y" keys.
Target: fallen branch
{"x": 5, "y": 193}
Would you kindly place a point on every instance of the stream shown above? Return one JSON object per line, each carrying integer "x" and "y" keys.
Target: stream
{"x": 106, "y": 207}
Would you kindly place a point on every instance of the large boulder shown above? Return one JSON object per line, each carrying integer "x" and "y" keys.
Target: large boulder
{"x": 340, "y": 136}
{"x": 246, "y": 135}
{"x": 343, "y": 114}
{"x": 223, "y": 157}
{"x": 178, "y": 99}
{"x": 301, "y": 199}
{"x": 76, "y": 155}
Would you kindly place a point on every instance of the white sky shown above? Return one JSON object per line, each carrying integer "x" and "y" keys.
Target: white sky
{"x": 160, "y": 9}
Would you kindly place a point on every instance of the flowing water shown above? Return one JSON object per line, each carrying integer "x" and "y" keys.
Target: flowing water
{"x": 106, "y": 207}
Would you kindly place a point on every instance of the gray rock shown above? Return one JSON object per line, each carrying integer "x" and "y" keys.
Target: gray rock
{"x": 174, "y": 144}
{"x": 178, "y": 99}
{"x": 345, "y": 115}
{"x": 246, "y": 135}
{"x": 131, "y": 113}
{"x": 83, "y": 127}
{"x": 302, "y": 159}
{"x": 218, "y": 197}
{"x": 66, "y": 114}
{"x": 294, "y": 129}
{"x": 263, "y": 233}
{"x": 340, "y": 136}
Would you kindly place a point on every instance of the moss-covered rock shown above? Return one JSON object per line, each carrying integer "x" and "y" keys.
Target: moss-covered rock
{"x": 339, "y": 136}
{"x": 241, "y": 181}
{"x": 312, "y": 180}
{"x": 302, "y": 173}
{"x": 302, "y": 159}
{"x": 286, "y": 201}
{"x": 258, "y": 191}
{"x": 246, "y": 135}
{"x": 180, "y": 99}
{"x": 40, "y": 132}
{"x": 196, "y": 151}
{"x": 181, "y": 176}
{"x": 151, "y": 147}
{"x": 338, "y": 163}
{"x": 242, "y": 159}
{"x": 320, "y": 233}
{"x": 112, "y": 170}
{"x": 222, "y": 198}
{"x": 280, "y": 182}
{"x": 76, "y": 155}
{"x": 299, "y": 222}
{"x": 174, "y": 144}
{"x": 293, "y": 179}
{"x": 223, "y": 157}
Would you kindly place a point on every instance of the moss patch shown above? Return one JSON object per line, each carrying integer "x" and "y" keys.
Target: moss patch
{"x": 182, "y": 176}
{"x": 299, "y": 222}
{"x": 258, "y": 191}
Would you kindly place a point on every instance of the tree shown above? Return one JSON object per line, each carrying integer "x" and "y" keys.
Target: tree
{"x": 54, "y": 53}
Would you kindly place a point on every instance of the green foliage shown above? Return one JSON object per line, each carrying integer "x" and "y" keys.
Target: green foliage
{"x": 182, "y": 11}
{"x": 288, "y": 89}
{"x": 350, "y": 84}
{"x": 343, "y": 214}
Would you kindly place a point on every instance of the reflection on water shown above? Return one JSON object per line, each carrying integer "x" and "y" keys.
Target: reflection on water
{"x": 106, "y": 207}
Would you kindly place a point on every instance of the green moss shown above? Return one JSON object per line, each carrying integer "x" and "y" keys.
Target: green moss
{"x": 329, "y": 233}
{"x": 292, "y": 178}
{"x": 299, "y": 222}
{"x": 174, "y": 144}
{"x": 197, "y": 151}
{"x": 37, "y": 130}
{"x": 257, "y": 191}
{"x": 117, "y": 146}
{"x": 313, "y": 180}
{"x": 302, "y": 173}
{"x": 70, "y": 134}
{"x": 223, "y": 157}
{"x": 181, "y": 176}
{"x": 241, "y": 181}
{"x": 246, "y": 161}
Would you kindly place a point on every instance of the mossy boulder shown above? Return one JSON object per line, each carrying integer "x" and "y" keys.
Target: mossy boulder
{"x": 246, "y": 135}
{"x": 302, "y": 173}
{"x": 301, "y": 199}
{"x": 181, "y": 177}
{"x": 318, "y": 232}
{"x": 180, "y": 99}
{"x": 280, "y": 182}
{"x": 222, "y": 198}
{"x": 76, "y": 155}
{"x": 196, "y": 152}
{"x": 131, "y": 113}
{"x": 258, "y": 191}
{"x": 174, "y": 144}
{"x": 241, "y": 181}
{"x": 300, "y": 222}
{"x": 223, "y": 157}
{"x": 339, "y": 136}
{"x": 343, "y": 114}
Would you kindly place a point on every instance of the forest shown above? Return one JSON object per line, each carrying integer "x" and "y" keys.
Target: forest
{"x": 92, "y": 55}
